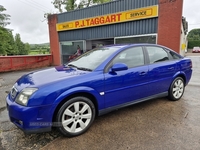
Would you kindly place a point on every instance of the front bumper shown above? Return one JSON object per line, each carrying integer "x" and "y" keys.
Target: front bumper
{"x": 30, "y": 119}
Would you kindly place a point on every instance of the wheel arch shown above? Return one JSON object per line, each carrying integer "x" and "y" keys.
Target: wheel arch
{"x": 182, "y": 75}
{"x": 176, "y": 76}
{"x": 170, "y": 91}
{"x": 68, "y": 97}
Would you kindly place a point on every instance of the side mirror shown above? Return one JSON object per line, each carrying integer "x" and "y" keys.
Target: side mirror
{"x": 119, "y": 67}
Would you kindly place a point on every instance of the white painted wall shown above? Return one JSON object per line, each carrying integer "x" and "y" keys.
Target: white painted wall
{"x": 183, "y": 42}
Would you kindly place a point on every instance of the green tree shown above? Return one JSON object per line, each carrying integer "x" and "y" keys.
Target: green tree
{"x": 8, "y": 44}
{"x": 3, "y": 17}
{"x": 27, "y": 48}
{"x": 4, "y": 35}
{"x": 48, "y": 49}
{"x": 193, "y": 38}
{"x": 11, "y": 47}
{"x": 194, "y": 35}
{"x": 68, "y": 5}
{"x": 20, "y": 45}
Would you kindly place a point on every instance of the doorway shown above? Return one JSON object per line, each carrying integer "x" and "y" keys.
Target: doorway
{"x": 69, "y": 48}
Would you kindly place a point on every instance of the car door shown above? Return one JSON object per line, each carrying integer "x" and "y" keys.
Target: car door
{"x": 161, "y": 69}
{"x": 125, "y": 86}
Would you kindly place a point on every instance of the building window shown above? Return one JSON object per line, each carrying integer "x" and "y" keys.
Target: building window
{"x": 136, "y": 39}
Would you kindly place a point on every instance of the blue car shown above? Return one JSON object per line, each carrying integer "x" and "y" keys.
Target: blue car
{"x": 104, "y": 79}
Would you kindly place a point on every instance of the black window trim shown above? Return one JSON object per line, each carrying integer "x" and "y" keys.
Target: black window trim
{"x": 168, "y": 50}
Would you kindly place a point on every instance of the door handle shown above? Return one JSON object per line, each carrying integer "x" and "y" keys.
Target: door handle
{"x": 170, "y": 68}
{"x": 142, "y": 73}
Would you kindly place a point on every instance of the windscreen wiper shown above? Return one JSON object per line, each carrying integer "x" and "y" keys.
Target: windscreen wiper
{"x": 84, "y": 69}
{"x": 80, "y": 68}
{"x": 70, "y": 65}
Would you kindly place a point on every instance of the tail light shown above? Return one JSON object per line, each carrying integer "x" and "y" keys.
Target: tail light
{"x": 190, "y": 64}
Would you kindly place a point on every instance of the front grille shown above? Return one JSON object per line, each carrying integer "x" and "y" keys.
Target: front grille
{"x": 13, "y": 92}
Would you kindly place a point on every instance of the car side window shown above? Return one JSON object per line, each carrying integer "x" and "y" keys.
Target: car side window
{"x": 132, "y": 57}
{"x": 157, "y": 54}
{"x": 174, "y": 55}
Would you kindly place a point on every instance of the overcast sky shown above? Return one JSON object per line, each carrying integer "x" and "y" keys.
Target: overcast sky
{"x": 27, "y": 17}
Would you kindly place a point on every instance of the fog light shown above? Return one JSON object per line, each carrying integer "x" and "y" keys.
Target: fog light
{"x": 20, "y": 122}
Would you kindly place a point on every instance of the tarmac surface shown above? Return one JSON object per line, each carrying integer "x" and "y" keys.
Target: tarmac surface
{"x": 155, "y": 124}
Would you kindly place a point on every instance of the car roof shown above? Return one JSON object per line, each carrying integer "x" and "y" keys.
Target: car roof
{"x": 124, "y": 46}
{"x": 129, "y": 45}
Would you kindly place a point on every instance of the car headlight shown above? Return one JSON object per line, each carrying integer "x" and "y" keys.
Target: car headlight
{"x": 24, "y": 96}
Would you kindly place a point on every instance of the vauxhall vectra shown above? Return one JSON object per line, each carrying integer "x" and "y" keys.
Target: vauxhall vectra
{"x": 69, "y": 97}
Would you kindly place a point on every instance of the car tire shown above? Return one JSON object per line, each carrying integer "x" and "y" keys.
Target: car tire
{"x": 177, "y": 89}
{"x": 75, "y": 116}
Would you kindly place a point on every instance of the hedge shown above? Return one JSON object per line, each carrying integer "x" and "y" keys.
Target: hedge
{"x": 192, "y": 44}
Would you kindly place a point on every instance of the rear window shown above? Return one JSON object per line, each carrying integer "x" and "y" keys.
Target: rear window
{"x": 196, "y": 48}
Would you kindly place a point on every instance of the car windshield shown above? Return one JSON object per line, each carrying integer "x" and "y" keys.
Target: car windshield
{"x": 92, "y": 59}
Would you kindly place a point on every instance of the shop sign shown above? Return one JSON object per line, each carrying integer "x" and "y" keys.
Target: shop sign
{"x": 131, "y": 15}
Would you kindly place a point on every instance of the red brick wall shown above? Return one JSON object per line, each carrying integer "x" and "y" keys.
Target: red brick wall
{"x": 12, "y": 63}
{"x": 54, "y": 40}
{"x": 169, "y": 23}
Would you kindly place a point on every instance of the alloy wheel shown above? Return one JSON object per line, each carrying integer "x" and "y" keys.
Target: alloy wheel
{"x": 178, "y": 89}
{"x": 76, "y": 117}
